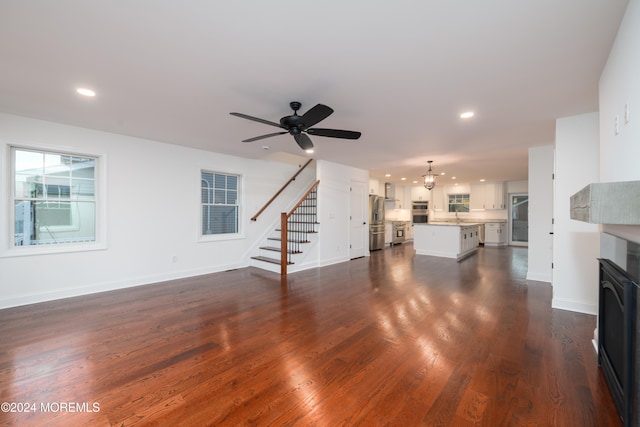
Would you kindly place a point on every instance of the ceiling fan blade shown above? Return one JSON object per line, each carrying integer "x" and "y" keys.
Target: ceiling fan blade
{"x": 315, "y": 115}
{"x": 256, "y": 138}
{"x": 255, "y": 119}
{"x": 334, "y": 133}
{"x": 303, "y": 141}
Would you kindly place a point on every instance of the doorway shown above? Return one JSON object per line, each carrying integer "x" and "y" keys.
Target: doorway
{"x": 519, "y": 219}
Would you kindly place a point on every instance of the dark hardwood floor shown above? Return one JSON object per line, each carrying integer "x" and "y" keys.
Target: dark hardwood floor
{"x": 394, "y": 339}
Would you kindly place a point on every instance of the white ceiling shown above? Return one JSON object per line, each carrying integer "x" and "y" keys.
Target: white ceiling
{"x": 400, "y": 72}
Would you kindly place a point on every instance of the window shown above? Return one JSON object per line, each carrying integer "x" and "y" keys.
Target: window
{"x": 220, "y": 208}
{"x": 458, "y": 203}
{"x": 54, "y": 198}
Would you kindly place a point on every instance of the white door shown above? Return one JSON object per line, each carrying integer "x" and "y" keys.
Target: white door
{"x": 357, "y": 220}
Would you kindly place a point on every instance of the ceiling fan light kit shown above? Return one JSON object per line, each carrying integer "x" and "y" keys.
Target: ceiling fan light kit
{"x": 301, "y": 126}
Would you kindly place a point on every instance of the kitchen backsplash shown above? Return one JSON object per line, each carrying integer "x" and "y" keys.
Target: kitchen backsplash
{"x": 480, "y": 216}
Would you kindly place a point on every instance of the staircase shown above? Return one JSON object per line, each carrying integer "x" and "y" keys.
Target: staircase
{"x": 297, "y": 229}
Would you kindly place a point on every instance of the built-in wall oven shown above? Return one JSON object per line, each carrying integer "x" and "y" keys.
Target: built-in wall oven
{"x": 420, "y": 212}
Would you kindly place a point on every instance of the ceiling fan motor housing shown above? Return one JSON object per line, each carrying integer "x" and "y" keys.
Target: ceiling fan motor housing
{"x": 293, "y": 123}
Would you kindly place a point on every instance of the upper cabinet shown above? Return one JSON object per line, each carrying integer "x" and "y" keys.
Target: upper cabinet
{"x": 487, "y": 196}
{"x": 374, "y": 186}
{"x": 437, "y": 199}
{"x": 419, "y": 193}
{"x": 477, "y": 197}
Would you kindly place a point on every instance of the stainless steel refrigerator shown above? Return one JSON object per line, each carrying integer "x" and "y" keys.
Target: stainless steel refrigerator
{"x": 376, "y": 222}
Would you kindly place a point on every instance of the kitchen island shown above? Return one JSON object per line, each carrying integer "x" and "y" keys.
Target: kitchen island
{"x": 446, "y": 239}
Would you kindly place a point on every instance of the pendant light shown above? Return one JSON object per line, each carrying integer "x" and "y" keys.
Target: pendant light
{"x": 429, "y": 178}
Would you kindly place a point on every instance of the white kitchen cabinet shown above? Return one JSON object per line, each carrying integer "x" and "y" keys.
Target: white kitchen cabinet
{"x": 374, "y": 187}
{"x": 445, "y": 240}
{"x": 437, "y": 199}
{"x": 468, "y": 238}
{"x": 495, "y": 196}
{"x": 402, "y": 197}
{"x": 419, "y": 193}
{"x": 487, "y": 196}
{"x": 495, "y": 234}
{"x": 477, "y": 197}
{"x": 406, "y": 200}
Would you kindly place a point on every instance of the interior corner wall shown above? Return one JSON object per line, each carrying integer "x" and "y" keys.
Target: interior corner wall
{"x": 153, "y": 214}
{"x": 575, "y": 243}
{"x": 540, "y": 213}
{"x": 619, "y": 86}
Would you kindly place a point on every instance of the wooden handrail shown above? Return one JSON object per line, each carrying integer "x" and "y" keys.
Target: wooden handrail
{"x": 302, "y": 199}
{"x": 293, "y": 178}
{"x": 284, "y": 235}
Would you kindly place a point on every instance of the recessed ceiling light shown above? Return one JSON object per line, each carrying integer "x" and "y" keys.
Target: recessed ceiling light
{"x": 265, "y": 147}
{"x": 403, "y": 179}
{"x": 467, "y": 115}
{"x": 388, "y": 175}
{"x": 415, "y": 182}
{"x": 309, "y": 151}
{"x": 482, "y": 180}
{"x": 85, "y": 91}
{"x": 442, "y": 173}
{"x": 453, "y": 177}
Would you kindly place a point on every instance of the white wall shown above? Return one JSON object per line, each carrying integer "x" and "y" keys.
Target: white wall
{"x": 152, "y": 214}
{"x": 540, "y": 191}
{"x": 517, "y": 187}
{"x": 619, "y": 85}
{"x": 575, "y": 243}
{"x": 334, "y": 208}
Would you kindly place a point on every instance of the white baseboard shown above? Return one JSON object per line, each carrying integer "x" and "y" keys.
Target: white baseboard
{"x": 577, "y": 306}
{"x": 539, "y": 277}
{"x": 108, "y": 286}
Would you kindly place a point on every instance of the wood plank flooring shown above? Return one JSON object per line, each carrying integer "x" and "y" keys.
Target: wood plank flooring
{"x": 390, "y": 340}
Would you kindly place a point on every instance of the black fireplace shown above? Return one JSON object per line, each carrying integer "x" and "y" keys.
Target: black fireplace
{"x": 618, "y": 334}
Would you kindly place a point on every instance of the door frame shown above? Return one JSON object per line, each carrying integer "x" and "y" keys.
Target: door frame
{"x": 357, "y": 248}
{"x": 510, "y": 220}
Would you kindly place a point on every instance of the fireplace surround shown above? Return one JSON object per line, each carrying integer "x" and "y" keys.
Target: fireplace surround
{"x": 618, "y": 321}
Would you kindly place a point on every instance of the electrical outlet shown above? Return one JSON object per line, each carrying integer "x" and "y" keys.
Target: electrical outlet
{"x": 627, "y": 113}
{"x": 617, "y": 125}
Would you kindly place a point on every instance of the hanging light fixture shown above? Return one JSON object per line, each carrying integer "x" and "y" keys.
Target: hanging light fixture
{"x": 429, "y": 178}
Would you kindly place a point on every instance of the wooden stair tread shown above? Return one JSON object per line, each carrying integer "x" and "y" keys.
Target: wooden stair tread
{"x": 270, "y": 260}
{"x": 290, "y": 240}
{"x": 277, "y": 249}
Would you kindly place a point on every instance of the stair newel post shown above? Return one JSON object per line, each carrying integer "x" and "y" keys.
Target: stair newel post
{"x": 284, "y": 243}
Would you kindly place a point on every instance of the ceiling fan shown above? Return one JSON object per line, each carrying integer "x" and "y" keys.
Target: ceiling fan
{"x": 300, "y": 126}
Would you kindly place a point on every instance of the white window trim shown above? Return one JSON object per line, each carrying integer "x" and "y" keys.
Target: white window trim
{"x": 7, "y": 248}
{"x": 207, "y": 238}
